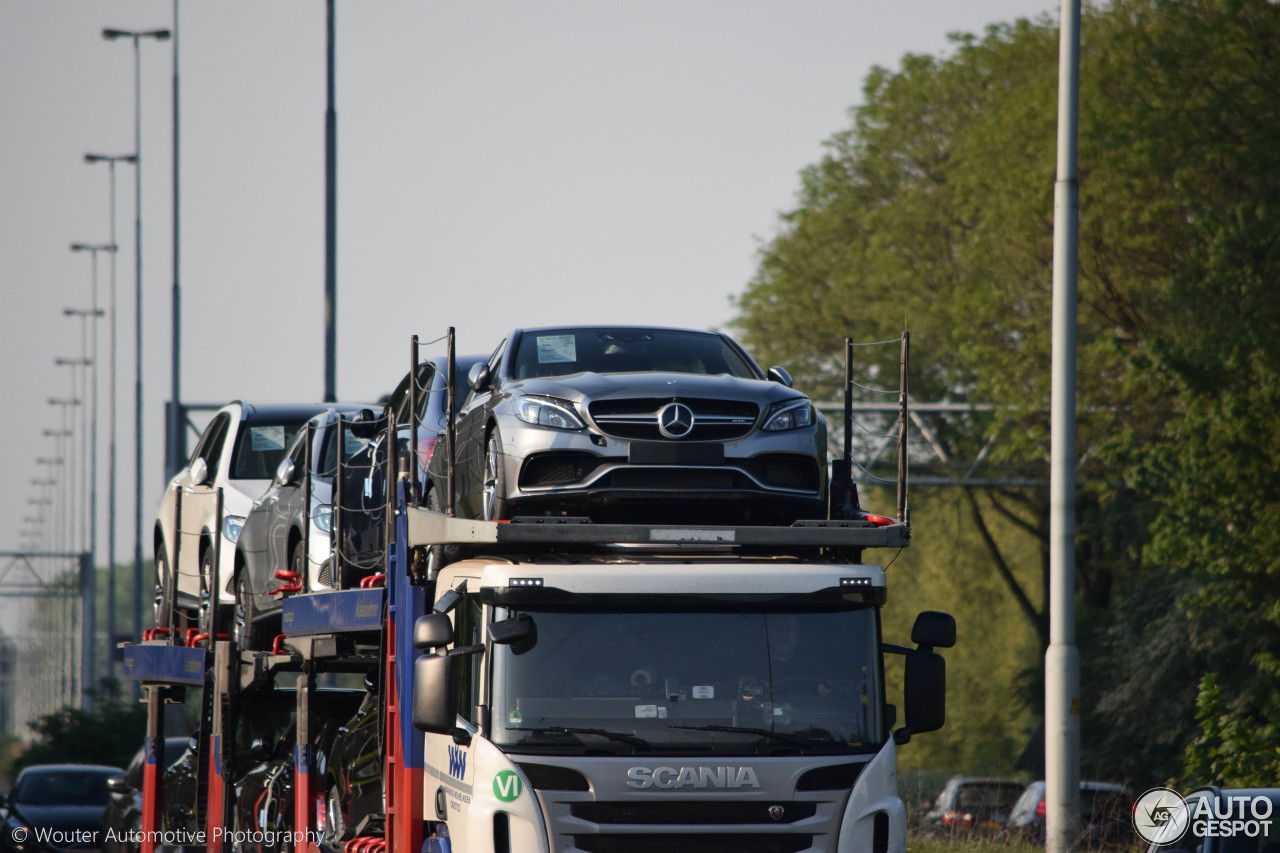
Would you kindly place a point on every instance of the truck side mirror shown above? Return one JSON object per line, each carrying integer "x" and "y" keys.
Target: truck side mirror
{"x": 432, "y": 631}
{"x": 934, "y": 630}
{"x": 434, "y": 693}
{"x": 925, "y": 691}
{"x": 519, "y": 632}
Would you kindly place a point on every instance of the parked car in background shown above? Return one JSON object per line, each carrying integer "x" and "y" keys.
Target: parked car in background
{"x": 63, "y": 798}
{"x": 122, "y": 818}
{"x": 237, "y": 454}
{"x": 264, "y": 803}
{"x": 639, "y": 423}
{"x": 285, "y": 541}
{"x": 1239, "y": 803}
{"x": 364, "y": 485}
{"x": 1106, "y": 816}
{"x": 970, "y": 805}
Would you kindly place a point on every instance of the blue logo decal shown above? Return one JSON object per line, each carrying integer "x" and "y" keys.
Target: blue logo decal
{"x": 457, "y": 762}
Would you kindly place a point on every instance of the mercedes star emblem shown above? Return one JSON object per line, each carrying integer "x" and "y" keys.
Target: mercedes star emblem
{"x": 675, "y": 420}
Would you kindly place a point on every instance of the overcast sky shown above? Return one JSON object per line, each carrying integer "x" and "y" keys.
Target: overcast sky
{"x": 499, "y": 164}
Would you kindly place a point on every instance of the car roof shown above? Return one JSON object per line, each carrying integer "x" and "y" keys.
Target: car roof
{"x": 590, "y": 326}
{"x": 251, "y": 412}
{"x": 38, "y": 769}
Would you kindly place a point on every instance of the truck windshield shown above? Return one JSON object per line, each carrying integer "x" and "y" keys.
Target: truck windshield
{"x": 726, "y": 682}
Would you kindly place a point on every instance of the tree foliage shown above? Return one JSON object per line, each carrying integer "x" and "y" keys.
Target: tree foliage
{"x": 110, "y": 734}
{"x": 934, "y": 212}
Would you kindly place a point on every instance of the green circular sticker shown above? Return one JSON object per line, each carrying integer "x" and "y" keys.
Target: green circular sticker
{"x": 506, "y": 786}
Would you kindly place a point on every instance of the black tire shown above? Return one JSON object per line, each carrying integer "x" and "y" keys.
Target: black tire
{"x": 209, "y": 613}
{"x": 494, "y": 506}
{"x": 162, "y": 611}
{"x": 249, "y": 635}
{"x": 298, "y": 563}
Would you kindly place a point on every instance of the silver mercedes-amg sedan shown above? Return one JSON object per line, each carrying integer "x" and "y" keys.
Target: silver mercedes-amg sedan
{"x": 646, "y": 425}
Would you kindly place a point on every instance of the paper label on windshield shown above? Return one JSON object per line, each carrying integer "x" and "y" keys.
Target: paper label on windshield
{"x": 266, "y": 438}
{"x": 704, "y": 691}
{"x": 556, "y": 349}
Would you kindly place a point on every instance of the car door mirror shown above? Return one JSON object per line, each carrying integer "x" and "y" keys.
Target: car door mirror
{"x": 117, "y": 785}
{"x": 779, "y": 374}
{"x": 285, "y": 471}
{"x": 199, "y": 474}
{"x": 479, "y": 377}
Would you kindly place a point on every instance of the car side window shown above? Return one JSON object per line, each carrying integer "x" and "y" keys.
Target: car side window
{"x": 217, "y": 439}
{"x": 496, "y": 358}
{"x": 426, "y": 376}
{"x": 298, "y": 454}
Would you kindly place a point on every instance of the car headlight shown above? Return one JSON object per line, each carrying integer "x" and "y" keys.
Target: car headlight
{"x": 792, "y": 414}
{"x": 323, "y": 517}
{"x": 231, "y": 527}
{"x": 548, "y": 412}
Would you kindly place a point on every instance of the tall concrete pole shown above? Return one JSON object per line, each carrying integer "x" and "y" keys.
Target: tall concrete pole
{"x": 330, "y": 227}
{"x": 176, "y": 429}
{"x": 1062, "y": 660}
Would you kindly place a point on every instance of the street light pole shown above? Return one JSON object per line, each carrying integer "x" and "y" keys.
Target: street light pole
{"x": 111, "y": 161}
{"x": 136, "y": 36}
{"x": 97, "y": 312}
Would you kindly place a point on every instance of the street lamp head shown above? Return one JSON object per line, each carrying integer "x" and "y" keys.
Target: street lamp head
{"x": 111, "y": 158}
{"x": 93, "y": 247}
{"x": 54, "y": 401}
{"x": 113, "y": 34}
{"x": 73, "y": 362}
{"x": 55, "y": 433}
{"x": 83, "y": 312}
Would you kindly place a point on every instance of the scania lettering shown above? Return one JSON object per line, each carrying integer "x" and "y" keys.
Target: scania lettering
{"x": 692, "y": 777}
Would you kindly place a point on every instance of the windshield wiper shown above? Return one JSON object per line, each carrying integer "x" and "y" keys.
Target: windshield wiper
{"x": 782, "y": 736}
{"x": 568, "y": 730}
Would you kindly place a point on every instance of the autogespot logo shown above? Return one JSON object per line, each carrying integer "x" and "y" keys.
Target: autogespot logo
{"x": 1160, "y": 816}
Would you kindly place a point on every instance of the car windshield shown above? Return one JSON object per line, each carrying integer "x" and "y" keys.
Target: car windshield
{"x": 86, "y": 787}
{"x": 260, "y": 447}
{"x": 560, "y": 352}
{"x": 737, "y": 682}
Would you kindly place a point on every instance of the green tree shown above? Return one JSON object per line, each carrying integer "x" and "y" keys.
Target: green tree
{"x": 934, "y": 211}
{"x": 109, "y": 735}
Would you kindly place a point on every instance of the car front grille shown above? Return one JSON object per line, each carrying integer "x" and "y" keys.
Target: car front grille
{"x": 637, "y": 418}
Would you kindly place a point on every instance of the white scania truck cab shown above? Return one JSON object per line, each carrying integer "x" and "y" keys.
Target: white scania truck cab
{"x": 718, "y": 704}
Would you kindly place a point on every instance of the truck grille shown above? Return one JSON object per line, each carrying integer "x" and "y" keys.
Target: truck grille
{"x": 690, "y": 813}
{"x": 637, "y": 419}
{"x": 728, "y": 843}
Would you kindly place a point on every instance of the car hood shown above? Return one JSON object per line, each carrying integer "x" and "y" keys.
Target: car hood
{"x": 66, "y": 818}
{"x": 238, "y": 496}
{"x": 590, "y": 387}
